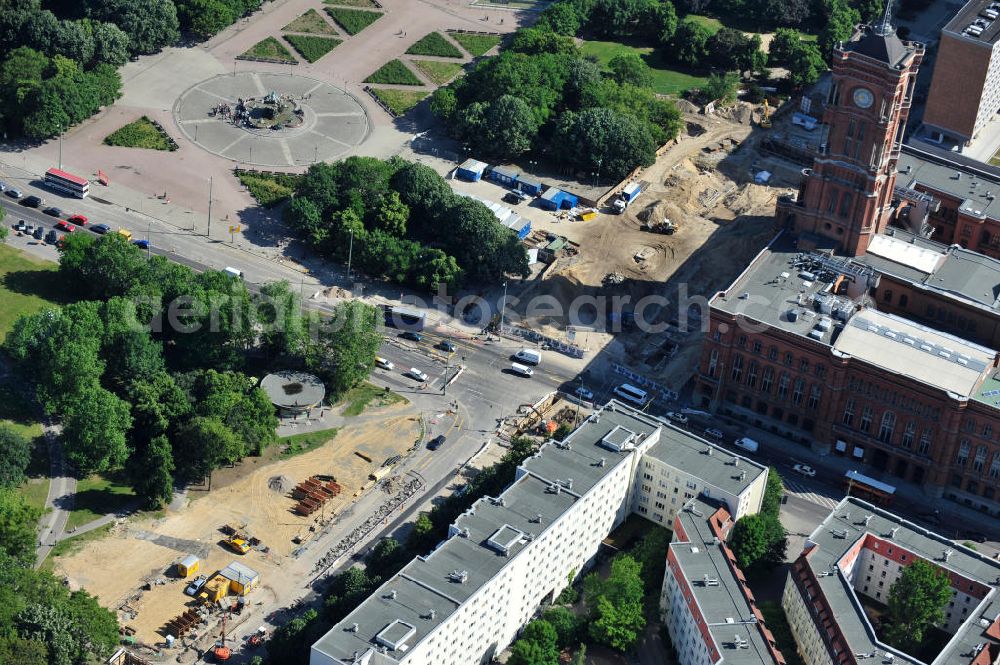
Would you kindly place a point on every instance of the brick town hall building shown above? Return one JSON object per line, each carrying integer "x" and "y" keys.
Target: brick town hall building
{"x": 854, "y": 331}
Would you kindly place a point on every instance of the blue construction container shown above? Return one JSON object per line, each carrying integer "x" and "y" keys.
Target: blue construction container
{"x": 504, "y": 175}
{"x": 529, "y": 185}
{"x": 471, "y": 169}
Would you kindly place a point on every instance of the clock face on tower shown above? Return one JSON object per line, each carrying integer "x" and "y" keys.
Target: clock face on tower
{"x": 863, "y": 97}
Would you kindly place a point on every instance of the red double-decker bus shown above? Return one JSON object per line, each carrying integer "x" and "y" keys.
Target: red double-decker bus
{"x": 68, "y": 183}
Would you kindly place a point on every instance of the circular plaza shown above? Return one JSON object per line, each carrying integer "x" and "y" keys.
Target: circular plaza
{"x": 268, "y": 119}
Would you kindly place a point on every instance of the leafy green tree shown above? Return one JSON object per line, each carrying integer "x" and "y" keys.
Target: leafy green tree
{"x": 838, "y": 26}
{"x": 110, "y": 43}
{"x": 758, "y": 542}
{"x": 626, "y": 18}
{"x": 787, "y": 12}
{"x": 617, "y": 626}
{"x": 15, "y": 455}
{"x": 805, "y": 65}
{"x": 202, "y": 444}
{"x": 562, "y": 18}
{"x": 566, "y": 625}
{"x": 290, "y": 643}
{"x": 207, "y": 17}
{"x": 392, "y": 215}
{"x": 917, "y": 601}
{"x": 774, "y": 490}
{"x": 279, "y": 313}
{"x": 111, "y": 266}
{"x": 536, "y": 646}
{"x": 387, "y": 557}
{"x": 18, "y": 524}
{"x": 630, "y": 68}
{"x": 618, "y": 141}
{"x": 94, "y": 429}
{"x": 152, "y": 467}
{"x": 690, "y": 44}
{"x": 722, "y": 87}
{"x": 782, "y": 46}
{"x": 346, "y": 591}
{"x": 533, "y": 41}
{"x": 23, "y": 652}
{"x": 509, "y": 127}
{"x": 345, "y": 352}
{"x": 235, "y": 400}
{"x": 128, "y": 350}
{"x": 150, "y": 25}
{"x": 668, "y": 22}
{"x": 869, "y": 10}
{"x": 444, "y": 103}
{"x": 422, "y": 536}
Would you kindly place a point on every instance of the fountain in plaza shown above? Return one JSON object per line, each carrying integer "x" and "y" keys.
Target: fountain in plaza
{"x": 272, "y": 111}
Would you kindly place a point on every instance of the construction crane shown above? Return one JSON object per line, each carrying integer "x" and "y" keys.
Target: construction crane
{"x": 765, "y": 118}
{"x": 221, "y": 651}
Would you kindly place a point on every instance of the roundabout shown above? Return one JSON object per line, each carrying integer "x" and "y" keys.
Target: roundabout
{"x": 277, "y": 120}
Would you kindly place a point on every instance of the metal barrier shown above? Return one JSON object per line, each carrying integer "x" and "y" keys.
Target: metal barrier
{"x": 571, "y": 350}
{"x": 639, "y": 380}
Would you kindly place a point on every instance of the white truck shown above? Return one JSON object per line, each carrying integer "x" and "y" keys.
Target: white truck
{"x": 627, "y": 196}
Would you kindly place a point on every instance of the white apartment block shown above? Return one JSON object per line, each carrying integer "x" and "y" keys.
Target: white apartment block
{"x": 860, "y": 551}
{"x": 466, "y": 601}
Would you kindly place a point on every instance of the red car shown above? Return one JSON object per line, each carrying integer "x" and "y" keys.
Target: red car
{"x": 65, "y": 226}
{"x": 79, "y": 220}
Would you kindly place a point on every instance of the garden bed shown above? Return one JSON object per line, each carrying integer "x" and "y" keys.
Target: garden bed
{"x": 476, "y": 43}
{"x": 394, "y": 72}
{"x": 437, "y": 71}
{"x": 268, "y": 50}
{"x": 310, "y": 47}
{"x": 434, "y": 43}
{"x": 352, "y": 21}
{"x": 143, "y": 133}
{"x": 310, "y": 22}
{"x": 268, "y": 189}
{"x": 396, "y": 102}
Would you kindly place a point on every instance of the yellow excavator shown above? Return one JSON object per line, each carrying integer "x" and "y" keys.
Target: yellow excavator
{"x": 765, "y": 116}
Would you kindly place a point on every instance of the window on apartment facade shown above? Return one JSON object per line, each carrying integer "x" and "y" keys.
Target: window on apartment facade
{"x": 789, "y": 359}
{"x": 752, "y": 374}
{"x": 783, "y": 386}
{"x": 766, "y": 380}
{"x": 713, "y": 362}
{"x": 963, "y": 452}
{"x": 926, "y": 438}
{"x": 979, "y": 461}
{"x": 797, "y": 391}
{"x": 755, "y": 347}
{"x": 970, "y": 425}
{"x": 820, "y": 371}
{"x": 987, "y": 431}
{"x": 907, "y": 440}
{"x": 845, "y": 204}
{"x": 866, "y": 419}
{"x": 995, "y": 465}
{"x": 887, "y": 427}
{"x": 887, "y": 295}
{"x": 737, "y": 367}
{"x": 849, "y": 413}
{"x": 903, "y": 299}
{"x": 815, "y": 393}
{"x": 803, "y": 365}
{"x": 831, "y": 203}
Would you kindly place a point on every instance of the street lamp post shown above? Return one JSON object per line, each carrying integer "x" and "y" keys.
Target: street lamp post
{"x": 148, "y": 227}
{"x": 503, "y": 305}
{"x": 60, "y": 145}
{"x": 597, "y": 181}
{"x": 208, "y": 232}
{"x": 350, "y": 254}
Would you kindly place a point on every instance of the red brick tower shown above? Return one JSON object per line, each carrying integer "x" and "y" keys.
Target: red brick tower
{"x": 845, "y": 198}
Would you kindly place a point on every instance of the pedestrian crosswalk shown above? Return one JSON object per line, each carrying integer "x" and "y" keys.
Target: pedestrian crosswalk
{"x": 823, "y": 497}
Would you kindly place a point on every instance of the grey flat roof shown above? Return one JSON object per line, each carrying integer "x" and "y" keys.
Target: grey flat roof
{"x": 927, "y": 165}
{"x": 724, "y": 607}
{"x": 773, "y": 291}
{"x": 969, "y": 13}
{"x": 845, "y": 526}
{"x": 466, "y": 561}
{"x": 688, "y": 452}
{"x": 970, "y": 275}
{"x": 289, "y": 389}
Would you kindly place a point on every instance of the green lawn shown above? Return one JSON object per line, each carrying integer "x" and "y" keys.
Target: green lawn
{"x": 400, "y": 101}
{"x": 352, "y": 21}
{"x": 141, "y": 134}
{"x": 27, "y": 285}
{"x": 95, "y": 497}
{"x": 352, "y": 3}
{"x": 303, "y": 443}
{"x": 666, "y": 81}
{"x": 269, "y": 189}
{"x": 434, "y": 43}
{"x": 476, "y": 45}
{"x": 394, "y": 72}
{"x": 709, "y": 22}
{"x": 437, "y": 71}
{"x": 359, "y": 398}
{"x": 310, "y": 47}
{"x": 311, "y": 22}
{"x": 269, "y": 49}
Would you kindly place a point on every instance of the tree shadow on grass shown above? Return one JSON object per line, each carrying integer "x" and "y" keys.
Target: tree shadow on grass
{"x": 47, "y": 284}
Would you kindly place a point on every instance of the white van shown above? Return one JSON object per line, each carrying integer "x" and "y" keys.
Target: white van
{"x": 529, "y": 356}
{"x": 747, "y": 444}
{"x": 523, "y": 370}
{"x": 383, "y": 363}
{"x": 630, "y": 393}
{"x": 233, "y": 272}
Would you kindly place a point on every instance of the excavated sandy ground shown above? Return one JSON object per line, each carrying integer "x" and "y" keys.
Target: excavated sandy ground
{"x": 114, "y": 568}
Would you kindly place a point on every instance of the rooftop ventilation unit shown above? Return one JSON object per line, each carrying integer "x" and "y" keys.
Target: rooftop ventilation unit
{"x": 431, "y": 614}
{"x": 708, "y": 580}
{"x": 603, "y": 462}
{"x": 391, "y": 595}
{"x": 892, "y": 531}
{"x": 537, "y": 519}
{"x": 839, "y": 533}
{"x": 708, "y": 451}
{"x": 947, "y": 554}
{"x": 459, "y": 576}
{"x": 569, "y": 483}
{"x": 740, "y": 643}
{"x": 353, "y": 628}
{"x": 867, "y": 519}
{"x": 743, "y": 475}
{"x": 464, "y": 532}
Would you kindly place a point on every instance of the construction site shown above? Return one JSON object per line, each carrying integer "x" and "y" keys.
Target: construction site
{"x": 702, "y": 211}
{"x": 241, "y": 544}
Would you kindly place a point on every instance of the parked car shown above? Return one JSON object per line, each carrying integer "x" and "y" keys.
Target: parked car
{"x": 805, "y": 470}
{"x": 436, "y": 442}
{"x": 445, "y": 345}
{"x": 514, "y": 196}
{"x": 584, "y": 394}
{"x": 38, "y": 233}
{"x": 417, "y": 374}
{"x": 51, "y": 237}
{"x": 53, "y": 211}
{"x": 63, "y": 225}
{"x": 79, "y": 220}
{"x": 714, "y": 433}
{"x": 678, "y": 418}
{"x": 141, "y": 244}
{"x": 3, "y": 186}
{"x": 20, "y": 226}
{"x": 31, "y": 201}
{"x": 29, "y": 228}
{"x": 100, "y": 229}
{"x": 383, "y": 363}
{"x": 195, "y": 585}
{"x": 521, "y": 370}
{"x": 13, "y": 193}
{"x": 410, "y": 335}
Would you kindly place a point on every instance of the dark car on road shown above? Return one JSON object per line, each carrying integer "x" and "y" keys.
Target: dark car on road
{"x": 53, "y": 211}
{"x": 32, "y": 201}
{"x": 445, "y": 345}
{"x": 13, "y": 193}
{"x": 100, "y": 229}
{"x": 51, "y": 237}
{"x": 410, "y": 335}
{"x": 141, "y": 244}
{"x": 38, "y": 233}
{"x": 436, "y": 442}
